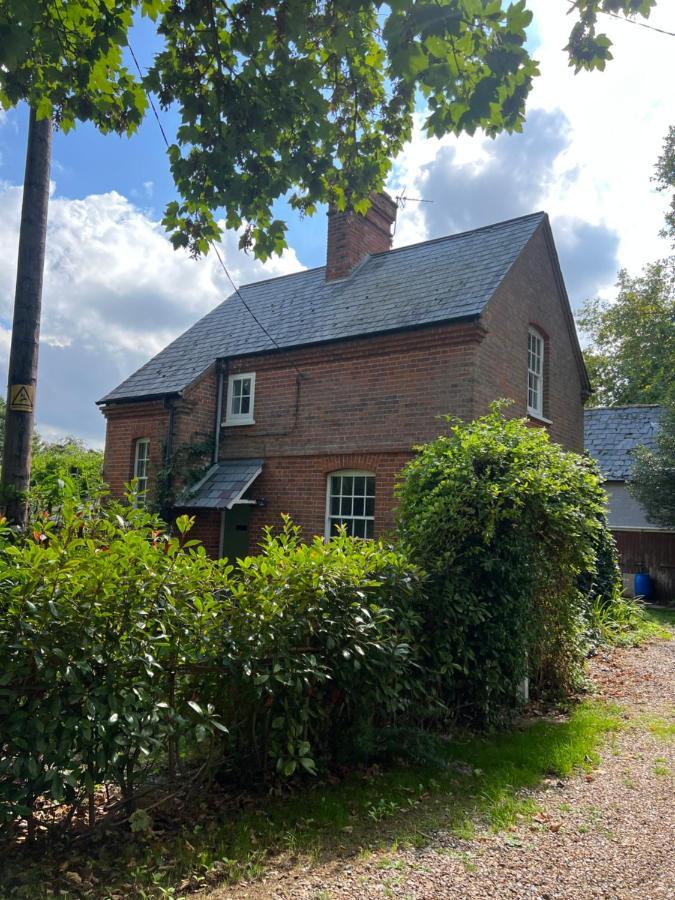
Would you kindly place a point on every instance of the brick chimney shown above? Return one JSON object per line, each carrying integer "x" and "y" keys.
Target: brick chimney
{"x": 351, "y": 236}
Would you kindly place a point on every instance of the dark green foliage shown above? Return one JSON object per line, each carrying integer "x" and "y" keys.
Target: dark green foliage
{"x": 129, "y": 657}
{"x": 97, "y": 609}
{"x": 653, "y": 474}
{"x": 609, "y": 616}
{"x": 504, "y": 521}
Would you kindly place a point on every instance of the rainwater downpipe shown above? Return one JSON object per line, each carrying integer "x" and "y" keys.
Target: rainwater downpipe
{"x": 222, "y": 374}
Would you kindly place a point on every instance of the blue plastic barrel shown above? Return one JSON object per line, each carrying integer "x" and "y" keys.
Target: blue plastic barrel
{"x": 643, "y": 585}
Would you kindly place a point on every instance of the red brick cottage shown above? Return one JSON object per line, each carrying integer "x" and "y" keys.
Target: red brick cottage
{"x": 368, "y": 352}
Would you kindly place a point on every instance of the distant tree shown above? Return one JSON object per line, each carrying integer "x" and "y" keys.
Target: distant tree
{"x": 665, "y": 180}
{"x": 653, "y": 474}
{"x": 69, "y": 459}
{"x": 632, "y": 338}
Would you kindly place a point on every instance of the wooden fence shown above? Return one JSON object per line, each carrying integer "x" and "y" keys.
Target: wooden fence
{"x": 653, "y": 552}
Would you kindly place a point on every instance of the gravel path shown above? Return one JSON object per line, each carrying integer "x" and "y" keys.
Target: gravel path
{"x": 606, "y": 835}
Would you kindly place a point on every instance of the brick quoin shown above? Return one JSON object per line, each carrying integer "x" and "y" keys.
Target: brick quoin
{"x": 364, "y": 403}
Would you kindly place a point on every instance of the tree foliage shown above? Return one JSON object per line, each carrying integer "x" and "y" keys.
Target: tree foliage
{"x": 653, "y": 474}
{"x": 504, "y": 522}
{"x": 665, "y": 179}
{"x": 69, "y": 462}
{"x": 632, "y": 338}
{"x": 284, "y": 98}
{"x": 58, "y": 462}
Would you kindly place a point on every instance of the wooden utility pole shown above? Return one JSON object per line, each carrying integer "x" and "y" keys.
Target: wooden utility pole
{"x": 23, "y": 355}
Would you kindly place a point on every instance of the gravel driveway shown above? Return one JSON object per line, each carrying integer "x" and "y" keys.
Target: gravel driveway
{"x": 606, "y": 835}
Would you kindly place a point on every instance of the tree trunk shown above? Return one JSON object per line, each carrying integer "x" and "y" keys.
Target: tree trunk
{"x": 23, "y": 357}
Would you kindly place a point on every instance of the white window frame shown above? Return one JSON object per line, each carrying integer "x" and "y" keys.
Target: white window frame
{"x": 141, "y": 470}
{"x": 349, "y": 473}
{"x": 232, "y": 418}
{"x": 535, "y": 375}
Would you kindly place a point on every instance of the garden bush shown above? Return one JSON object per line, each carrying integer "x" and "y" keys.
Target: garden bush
{"x": 504, "y": 522}
{"x": 132, "y": 659}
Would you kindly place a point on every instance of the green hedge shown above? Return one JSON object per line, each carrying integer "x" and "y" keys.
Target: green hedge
{"x": 504, "y": 521}
{"x": 130, "y": 658}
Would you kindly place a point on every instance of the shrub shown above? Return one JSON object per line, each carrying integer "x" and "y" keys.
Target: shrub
{"x": 504, "y": 521}
{"x": 97, "y": 611}
{"x": 131, "y": 658}
{"x": 319, "y": 648}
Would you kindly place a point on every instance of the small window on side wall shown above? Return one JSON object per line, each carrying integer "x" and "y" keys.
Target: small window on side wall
{"x": 240, "y": 398}
{"x": 141, "y": 466}
{"x": 535, "y": 373}
{"x": 350, "y": 502}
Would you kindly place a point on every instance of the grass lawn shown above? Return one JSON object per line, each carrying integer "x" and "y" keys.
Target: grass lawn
{"x": 661, "y": 615}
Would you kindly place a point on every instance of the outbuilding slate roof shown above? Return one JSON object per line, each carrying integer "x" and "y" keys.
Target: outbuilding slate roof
{"x": 223, "y": 484}
{"x": 612, "y": 433}
{"x": 451, "y": 278}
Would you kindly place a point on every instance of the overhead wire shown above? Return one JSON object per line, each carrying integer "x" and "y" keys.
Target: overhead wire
{"x": 212, "y": 245}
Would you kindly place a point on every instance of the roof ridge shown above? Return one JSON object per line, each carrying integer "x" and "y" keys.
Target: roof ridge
{"x": 624, "y": 406}
{"x": 428, "y": 241}
{"x": 459, "y": 234}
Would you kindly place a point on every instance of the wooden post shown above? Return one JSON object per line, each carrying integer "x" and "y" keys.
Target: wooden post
{"x": 23, "y": 356}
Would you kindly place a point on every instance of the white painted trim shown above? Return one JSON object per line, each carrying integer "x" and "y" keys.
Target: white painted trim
{"x": 352, "y": 472}
{"x": 238, "y": 419}
{"x": 536, "y": 412}
{"x": 539, "y": 418}
{"x": 140, "y": 496}
{"x": 246, "y": 487}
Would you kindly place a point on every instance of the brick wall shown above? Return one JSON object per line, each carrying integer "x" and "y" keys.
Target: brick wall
{"x": 125, "y": 424}
{"x": 194, "y": 422}
{"x": 530, "y": 295}
{"x": 296, "y": 485}
{"x": 378, "y": 394}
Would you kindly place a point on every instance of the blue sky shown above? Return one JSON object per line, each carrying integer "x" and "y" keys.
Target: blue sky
{"x": 115, "y": 292}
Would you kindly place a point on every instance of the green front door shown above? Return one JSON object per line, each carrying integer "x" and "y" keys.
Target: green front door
{"x": 234, "y": 544}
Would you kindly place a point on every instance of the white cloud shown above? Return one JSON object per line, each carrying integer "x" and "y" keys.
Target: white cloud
{"x": 115, "y": 293}
{"x": 595, "y": 181}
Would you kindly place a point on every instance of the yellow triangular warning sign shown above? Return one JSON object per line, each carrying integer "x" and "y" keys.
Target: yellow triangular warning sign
{"x": 21, "y": 397}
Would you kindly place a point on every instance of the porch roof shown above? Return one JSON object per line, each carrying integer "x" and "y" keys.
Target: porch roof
{"x": 223, "y": 485}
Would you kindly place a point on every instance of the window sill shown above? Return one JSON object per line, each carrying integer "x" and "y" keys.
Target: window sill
{"x": 538, "y": 418}
{"x": 229, "y": 423}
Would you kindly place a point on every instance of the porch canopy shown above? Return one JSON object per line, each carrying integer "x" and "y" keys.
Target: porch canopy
{"x": 223, "y": 485}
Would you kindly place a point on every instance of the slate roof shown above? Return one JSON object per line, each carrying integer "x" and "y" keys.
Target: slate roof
{"x": 435, "y": 281}
{"x": 222, "y": 485}
{"x": 612, "y": 433}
